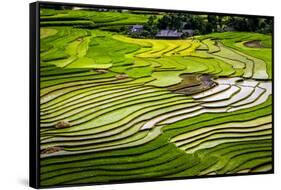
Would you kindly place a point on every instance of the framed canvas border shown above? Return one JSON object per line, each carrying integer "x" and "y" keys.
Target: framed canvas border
{"x": 34, "y": 90}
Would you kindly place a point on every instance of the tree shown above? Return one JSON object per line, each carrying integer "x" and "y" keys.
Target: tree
{"x": 253, "y": 24}
{"x": 268, "y": 25}
{"x": 238, "y": 23}
{"x": 151, "y": 20}
{"x": 220, "y": 22}
{"x": 163, "y": 22}
{"x": 212, "y": 23}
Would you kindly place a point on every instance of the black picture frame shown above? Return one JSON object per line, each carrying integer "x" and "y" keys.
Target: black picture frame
{"x": 34, "y": 89}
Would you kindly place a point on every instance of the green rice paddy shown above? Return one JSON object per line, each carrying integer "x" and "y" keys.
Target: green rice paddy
{"x": 148, "y": 109}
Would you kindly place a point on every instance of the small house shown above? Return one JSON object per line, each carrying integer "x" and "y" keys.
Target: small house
{"x": 171, "y": 34}
{"x": 137, "y": 28}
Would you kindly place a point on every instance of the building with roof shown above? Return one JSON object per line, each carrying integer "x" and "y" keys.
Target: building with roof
{"x": 169, "y": 34}
{"x": 137, "y": 28}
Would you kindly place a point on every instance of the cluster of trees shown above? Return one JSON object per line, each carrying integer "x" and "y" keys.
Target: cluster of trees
{"x": 180, "y": 22}
{"x": 204, "y": 24}
{"x": 149, "y": 30}
{"x": 250, "y": 24}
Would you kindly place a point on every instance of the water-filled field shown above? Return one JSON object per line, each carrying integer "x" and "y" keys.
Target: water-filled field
{"x": 117, "y": 108}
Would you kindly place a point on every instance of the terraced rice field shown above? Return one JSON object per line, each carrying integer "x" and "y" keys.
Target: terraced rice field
{"x": 114, "y": 108}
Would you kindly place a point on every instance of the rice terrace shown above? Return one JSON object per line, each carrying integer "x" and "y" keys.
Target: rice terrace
{"x": 131, "y": 95}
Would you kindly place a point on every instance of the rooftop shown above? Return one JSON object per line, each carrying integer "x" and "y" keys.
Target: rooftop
{"x": 169, "y": 33}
